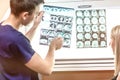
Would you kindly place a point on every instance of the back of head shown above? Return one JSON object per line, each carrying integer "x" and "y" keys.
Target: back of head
{"x": 19, "y": 6}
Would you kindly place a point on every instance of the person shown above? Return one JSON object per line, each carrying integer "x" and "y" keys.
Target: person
{"x": 18, "y": 60}
{"x": 115, "y": 45}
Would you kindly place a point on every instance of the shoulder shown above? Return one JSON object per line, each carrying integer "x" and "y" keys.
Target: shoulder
{"x": 18, "y": 38}
{"x": 9, "y": 34}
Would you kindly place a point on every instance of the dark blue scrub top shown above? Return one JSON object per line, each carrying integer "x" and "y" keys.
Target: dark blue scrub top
{"x": 15, "y": 51}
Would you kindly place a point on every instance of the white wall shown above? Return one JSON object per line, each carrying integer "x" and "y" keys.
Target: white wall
{"x": 4, "y": 4}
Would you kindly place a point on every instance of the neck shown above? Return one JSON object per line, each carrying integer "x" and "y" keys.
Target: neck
{"x": 13, "y": 21}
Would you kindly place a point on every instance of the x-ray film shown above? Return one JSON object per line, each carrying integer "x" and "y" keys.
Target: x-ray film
{"x": 91, "y": 28}
{"x": 57, "y": 22}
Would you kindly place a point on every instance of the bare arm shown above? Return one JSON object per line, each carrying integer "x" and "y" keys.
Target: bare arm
{"x": 45, "y": 66}
{"x": 32, "y": 30}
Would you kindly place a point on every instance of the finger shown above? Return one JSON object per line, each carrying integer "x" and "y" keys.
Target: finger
{"x": 60, "y": 38}
{"x": 41, "y": 13}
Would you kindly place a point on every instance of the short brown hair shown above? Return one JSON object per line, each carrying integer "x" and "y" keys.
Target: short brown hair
{"x": 18, "y": 6}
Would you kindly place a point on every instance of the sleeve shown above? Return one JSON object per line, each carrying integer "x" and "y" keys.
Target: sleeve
{"x": 22, "y": 49}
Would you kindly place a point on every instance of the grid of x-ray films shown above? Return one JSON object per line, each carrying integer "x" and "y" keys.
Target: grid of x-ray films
{"x": 57, "y": 23}
{"x": 91, "y": 28}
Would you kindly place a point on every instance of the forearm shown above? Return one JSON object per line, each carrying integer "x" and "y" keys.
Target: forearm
{"x": 31, "y": 33}
{"x": 50, "y": 60}
{"x": 36, "y": 23}
{"x": 37, "y": 64}
{"x": 45, "y": 66}
{"x": 56, "y": 44}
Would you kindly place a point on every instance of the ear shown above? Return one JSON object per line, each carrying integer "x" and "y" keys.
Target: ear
{"x": 25, "y": 15}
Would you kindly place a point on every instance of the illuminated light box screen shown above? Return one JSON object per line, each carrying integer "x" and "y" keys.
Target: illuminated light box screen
{"x": 57, "y": 22}
{"x": 91, "y": 28}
